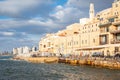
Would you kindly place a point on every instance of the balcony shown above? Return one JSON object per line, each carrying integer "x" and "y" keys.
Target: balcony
{"x": 104, "y": 24}
{"x": 115, "y": 41}
{"x": 113, "y": 16}
{"x": 62, "y": 34}
{"x": 116, "y": 22}
{"x": 115, "y": 31}
{"x": 76, "y": 32}
{"x": 103, "y": 43}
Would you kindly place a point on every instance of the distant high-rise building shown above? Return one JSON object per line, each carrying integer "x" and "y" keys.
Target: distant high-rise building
{"x": 15, "y": 51}
{"x": 20, "y": 50}
{"x": 34, "y": 49}
{"x": 26, "y": 50}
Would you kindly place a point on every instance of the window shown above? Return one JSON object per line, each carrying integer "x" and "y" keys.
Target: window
{"x": 101, "y": 19}
{"x": 103, "y": 39}
{"x": 96, "y": 24}
{"x": 86, "y": 41}
{"x": 93, "y": 40}
{"x": 44, "y": 46}
{"x": 92, "y": 30}
{"x": 82, "y": 41}
{"x": 70, "y": 43}
{"x": 116, "y": 13}
{"x": 98, "y": 15}
{"x": 56, "y": 45}
{"x": 48, "y": 44}
{"x": 118, "y": 27}
{"x": 111, "y": 20}
{"x": 77, "y": 42}
{"x": 118, "y": 36}
{"x": 74, "y": 42}
{"x": 106, "y": 29}
{"x": 116, "y": 5}
{"x": 96, "y": 29}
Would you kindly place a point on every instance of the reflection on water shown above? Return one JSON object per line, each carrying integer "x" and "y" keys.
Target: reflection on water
{"x": 20, "y": 70}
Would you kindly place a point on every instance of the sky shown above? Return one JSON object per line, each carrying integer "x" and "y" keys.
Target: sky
{"x": 24, "y": 22}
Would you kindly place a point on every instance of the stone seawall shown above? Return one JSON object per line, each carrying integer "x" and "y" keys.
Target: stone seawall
{"x": 96, "y": 62}
{"x": 43, "y": 59}
{"x": 38, "y": 59}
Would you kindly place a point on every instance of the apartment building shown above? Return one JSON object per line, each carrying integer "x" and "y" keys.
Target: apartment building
{"x": 98, "y": 33}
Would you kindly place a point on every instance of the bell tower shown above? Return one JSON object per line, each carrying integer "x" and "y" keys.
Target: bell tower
{"x": 91, "y": 11}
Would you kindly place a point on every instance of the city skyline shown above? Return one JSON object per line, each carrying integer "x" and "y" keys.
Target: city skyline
{"x": 23, "y": 24}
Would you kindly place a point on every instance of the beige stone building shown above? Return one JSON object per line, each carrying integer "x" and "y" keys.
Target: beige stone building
{"x": 98, "y": 33}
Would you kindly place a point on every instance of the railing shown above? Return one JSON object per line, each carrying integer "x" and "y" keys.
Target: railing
{"x": 116, "y": 22}
{"x": 104, "y": 24}
{"x": 103, "y": 43}
{"x": 114, "y": 31}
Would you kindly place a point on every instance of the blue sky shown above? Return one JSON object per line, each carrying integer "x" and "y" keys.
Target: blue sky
{"x": 24, "y": 22}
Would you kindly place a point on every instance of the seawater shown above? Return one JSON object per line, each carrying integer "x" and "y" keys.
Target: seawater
{"x": 21, "y": 70}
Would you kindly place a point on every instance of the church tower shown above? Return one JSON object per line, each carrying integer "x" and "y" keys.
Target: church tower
{"x": 91, "y": 11}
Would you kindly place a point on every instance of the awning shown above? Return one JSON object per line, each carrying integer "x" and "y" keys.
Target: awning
{"x": 92, "y": 48}
{"x": 114, "y": 45}
{"x": 98, "y": 47}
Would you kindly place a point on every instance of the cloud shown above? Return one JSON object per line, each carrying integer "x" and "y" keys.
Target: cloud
{"x": 26, "y": 21}
{"x": 84, "y": 5}
{"x": 25, "y": 8}
{"x": 67, "y": 15}
{"x": 78, "y": 3}
{"x": 31, "y": 26}
{"x": 7, "y": 33}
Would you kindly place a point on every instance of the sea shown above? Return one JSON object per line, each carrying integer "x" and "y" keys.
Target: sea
{"x": 22, "y": 70}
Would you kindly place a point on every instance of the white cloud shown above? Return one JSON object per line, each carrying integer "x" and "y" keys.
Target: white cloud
{"x": 23, "y": 8}
{"x": 5, "y": 24}
{"x": 41, "y": 16}
{"x": 62, "y": 15}
{"x": 67, "y": 15}
{"x": 7, "y": 33}
{"x": 15, "y": 6}
{"x": 78, "y": 3}
{"x": 59, "y": 7}
{"x": 49, "y": 23}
